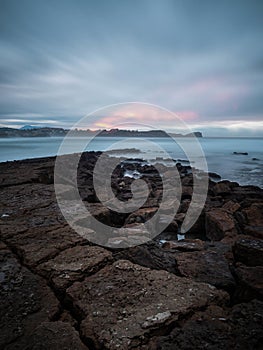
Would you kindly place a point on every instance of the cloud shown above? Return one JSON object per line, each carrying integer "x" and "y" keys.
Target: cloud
{"x": 63, "y": 60}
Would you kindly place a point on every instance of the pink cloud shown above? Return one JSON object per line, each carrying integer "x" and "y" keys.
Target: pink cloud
{"x": 146, "y": 114}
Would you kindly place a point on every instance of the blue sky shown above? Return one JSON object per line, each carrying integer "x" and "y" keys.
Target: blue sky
{"x": 60, "y": 60}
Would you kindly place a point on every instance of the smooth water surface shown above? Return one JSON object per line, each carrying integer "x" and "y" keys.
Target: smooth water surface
{"x": 218, "y": 152}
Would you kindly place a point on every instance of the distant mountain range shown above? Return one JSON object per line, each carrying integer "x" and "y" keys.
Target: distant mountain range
{"x": 36, "y": 131}
{"x": 30, "y": 127}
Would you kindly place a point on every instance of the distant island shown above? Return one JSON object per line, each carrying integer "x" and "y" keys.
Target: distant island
{"x": 31, "y": 131}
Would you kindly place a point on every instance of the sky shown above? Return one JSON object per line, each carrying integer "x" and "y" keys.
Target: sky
{"x": 203, "y": 60}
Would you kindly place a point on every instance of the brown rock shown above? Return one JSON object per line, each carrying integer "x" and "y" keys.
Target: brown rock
{"x": 124, "y": 303}
{"x": 222, "y": 188}
{"x": 219, "y": 223}
{"x": 254, "y": 214}
{"x": 185, "y": 245}
{"x": 73, "y": 264}
{"x": 249, "y": 252}
{"x": 231, "y": 207}
{"x": 206, "y": 266}
{"x": 38, "y": 245}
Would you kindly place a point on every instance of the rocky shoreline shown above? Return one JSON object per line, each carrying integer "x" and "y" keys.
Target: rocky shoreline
{"x": 58, "y": 290}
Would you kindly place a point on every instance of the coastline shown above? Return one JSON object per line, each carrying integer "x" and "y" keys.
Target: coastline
{"x": 245, "y": 169}
{"x": 145, "y": 297}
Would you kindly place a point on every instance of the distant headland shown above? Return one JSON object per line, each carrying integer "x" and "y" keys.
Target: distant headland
{"x": 35, "y": 131}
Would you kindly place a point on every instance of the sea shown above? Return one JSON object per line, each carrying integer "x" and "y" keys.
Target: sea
{"x": 245, "y": 166}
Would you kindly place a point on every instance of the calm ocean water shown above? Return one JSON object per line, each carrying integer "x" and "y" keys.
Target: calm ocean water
{"x": 218, "y": 152}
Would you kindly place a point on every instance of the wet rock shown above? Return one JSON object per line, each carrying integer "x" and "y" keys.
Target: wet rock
{"x": 206, "y": 266}
{"x": 26, "y": 301}
{"x": 219, "y": 223}
{"x": 249, "y": 252}
{"x": 73, "y": 264}
{"x": 53, "y": 336}
{"x": 249, "y": 283}
{"x": 123, "y": 304}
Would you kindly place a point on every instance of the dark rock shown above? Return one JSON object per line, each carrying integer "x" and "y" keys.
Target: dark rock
{"x": 241, "y": 153}
{"x": 26, "y": 301}
{"x": 240, "y": 330}
{"x": 149, "y": 255}
{"x": 222, "y": 188}
{"x": 249, "y": 283}
{"x": 214, "y": 176}
{"x": 249, "y": 252}
{"x": 52, "y": 336}
{"x": 254, "y": 231}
